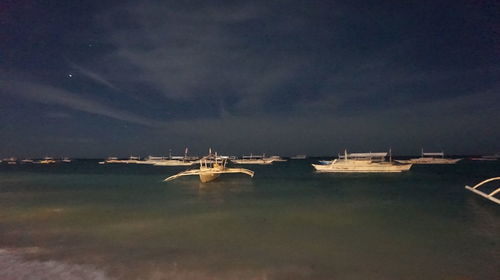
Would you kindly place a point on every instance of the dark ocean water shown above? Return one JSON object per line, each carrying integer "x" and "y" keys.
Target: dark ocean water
{"x": 87, "y": 221}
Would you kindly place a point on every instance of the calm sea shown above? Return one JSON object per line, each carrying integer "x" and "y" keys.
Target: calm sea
{"x": 87, "y": 221}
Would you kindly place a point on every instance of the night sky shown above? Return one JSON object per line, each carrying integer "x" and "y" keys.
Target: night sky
{"x": 100, "y": 78}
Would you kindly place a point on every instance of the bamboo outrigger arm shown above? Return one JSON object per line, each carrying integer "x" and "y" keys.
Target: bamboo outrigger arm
{"x": 198, "y": 172}
{"x": 236, "y": 170}
{"x": 491, "y": 195}
{"x": 184, "y": 173}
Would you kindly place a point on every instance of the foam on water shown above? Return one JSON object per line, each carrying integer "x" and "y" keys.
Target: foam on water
{"x": 14, "y": 266}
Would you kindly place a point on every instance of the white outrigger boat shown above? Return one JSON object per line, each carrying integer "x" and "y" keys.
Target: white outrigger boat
{"x": 131, "y": 159}
{"x": 211, "y": 167}
{"x": 491, "y": 195}
{"x": 277, "y": 159}
{"x": 298, "y": 157}
{"x": 47, "y": 160}
{"x": 175, "y": 162}
{"x": 431, "y": 158}
{"x": 66, "y": 160}
{"x": 254, "y": 159}
{"x": 167, "y": 161}
{"x": 170, "y": 160}
{"x": 362, "y": 163}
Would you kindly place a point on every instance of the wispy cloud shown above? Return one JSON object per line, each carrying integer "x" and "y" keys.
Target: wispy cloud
{"x": 237, "y": 55}
{"x": 46, "y": 94}
{"x": 94, "y": 76}
{"x": 202, "y": 53}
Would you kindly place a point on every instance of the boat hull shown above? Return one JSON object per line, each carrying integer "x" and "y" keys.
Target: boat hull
{"x": 430, "y": 161}
{"x": 252, "y": 161}
{"x": 173, "y": 163}
{"x": 208, "y": 177}
{"x": 362, "y": 167}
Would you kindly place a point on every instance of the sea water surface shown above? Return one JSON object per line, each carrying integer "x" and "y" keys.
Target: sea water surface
{"x": 87, "y": 221}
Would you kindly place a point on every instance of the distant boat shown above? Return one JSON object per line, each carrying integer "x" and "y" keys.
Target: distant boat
{"x": 27, "y": 161}
{"x": 131, "y": 159}
{"x": 492, "y": 157}
{"x": 362, "y": 163}
{"x": 174, "y": 162}
{"x": 277, "y": 159}
{"x": 431, "y": 158}
{"x": 253, "y": 159}
{"x": 171, "y": 160}
{"x": 47, "y": 160}
{"x": 211, "y": 167}
{"x": 487, "y": 158}
{"x": 482, "y": 159}
{"x": 110, "y": 160}
{"x": 299, "y": 157}
{"x": 10, "y": 161}
{"x": 66, "y": 160}
{"x": 151, "y": 160}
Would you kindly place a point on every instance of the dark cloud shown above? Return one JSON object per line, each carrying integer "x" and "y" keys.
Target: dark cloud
{"x": 284, "y": 76}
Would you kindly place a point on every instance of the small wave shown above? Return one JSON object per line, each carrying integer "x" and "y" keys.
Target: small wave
{"x": 14, "y": 266}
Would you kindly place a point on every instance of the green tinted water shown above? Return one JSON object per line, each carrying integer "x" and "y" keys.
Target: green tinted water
{"x": 285, "y": 223}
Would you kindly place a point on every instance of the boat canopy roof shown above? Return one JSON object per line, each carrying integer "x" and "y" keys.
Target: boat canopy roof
{"x": 253, "y": 157}
{"x": 441, "y": 154}
{"x": 177, "y": 157}
{"x": 155, "y": 158}
{"x": 364, "y": 155}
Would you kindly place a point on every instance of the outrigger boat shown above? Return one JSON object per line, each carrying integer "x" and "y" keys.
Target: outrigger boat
{"x": 170, "y": 160}
{"x": 211, "y": 167}
{"x": 174, "y": 162}
{"x": 47, "y": 160}
{"x": 10, "y": 161}
{"x": 131, "y": 159}
{"x": 362, "y": 163}
{"x": 487, "y": 157}
{"x": 277, "y": 159}
{"x": 298, "y": 157}
{"x": 253, "y": 159}
{"x": 431, "y": 158}
{"x": 167, "y": 161}
{"x": 491, "y": 195}
{"x": 66, "y": 160}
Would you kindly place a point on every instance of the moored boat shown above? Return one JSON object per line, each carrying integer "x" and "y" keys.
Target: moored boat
{"x": 174, "y": 162}
{"x": 362, "y": 163}
{"x": 253, "y": 159}
{"x": 298, "y": 157}
{"x": 171, "y": 160}
{"x": 131, "y": 159}
{"x": 66, "y": 160}
{"x": 276, "y": 159}
{"x": 211, "y": 167}
{"x": 47, "y": 160}
{"x": 431, "y": 158}
{"x": 492, "y": 192}
{"x": 10, "y": 161}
